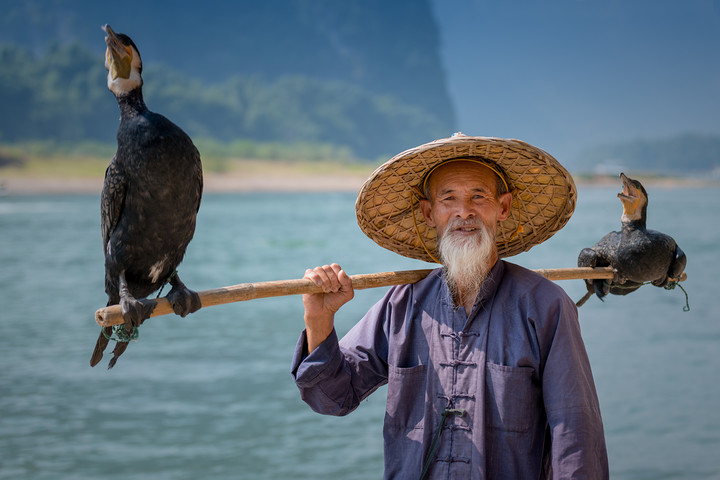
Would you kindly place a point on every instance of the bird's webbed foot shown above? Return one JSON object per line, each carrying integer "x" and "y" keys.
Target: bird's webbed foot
{"x": 134, "y": 310}
{"x": 183, "y": 300}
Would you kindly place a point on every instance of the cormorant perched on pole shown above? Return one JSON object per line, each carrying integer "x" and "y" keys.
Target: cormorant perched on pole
{"x": 637, "y": 255}
{"x": 150, "y": 201}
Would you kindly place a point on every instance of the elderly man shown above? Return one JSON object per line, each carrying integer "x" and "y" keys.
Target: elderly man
{"x": 487, "y": 372}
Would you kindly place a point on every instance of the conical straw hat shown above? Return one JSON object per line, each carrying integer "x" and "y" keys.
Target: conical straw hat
{"x": 544, "y": 195}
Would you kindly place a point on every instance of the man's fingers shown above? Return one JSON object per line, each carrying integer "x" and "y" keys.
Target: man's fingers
{"x": 344, "y": 279}
{"x": 325, "y": 277}
{"x": 331, "y": 284}
{"x": 312, "y": 275}
{"x": 341, "y": 278}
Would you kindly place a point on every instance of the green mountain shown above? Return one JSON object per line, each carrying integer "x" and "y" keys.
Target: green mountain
{"x": 365, "y": 75}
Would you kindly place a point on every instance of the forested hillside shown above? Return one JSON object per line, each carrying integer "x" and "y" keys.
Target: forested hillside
{"x": 365, "y": 75}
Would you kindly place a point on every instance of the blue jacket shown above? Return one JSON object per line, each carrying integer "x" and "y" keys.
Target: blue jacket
{"x": 514, "y": 376}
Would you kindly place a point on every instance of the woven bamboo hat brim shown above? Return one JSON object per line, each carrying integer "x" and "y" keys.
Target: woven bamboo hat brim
{"x": 544, "y": 195}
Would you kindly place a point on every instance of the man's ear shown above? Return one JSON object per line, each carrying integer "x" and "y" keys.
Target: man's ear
{"x": 426, "y": 209}
{"x": 505, "y": 201}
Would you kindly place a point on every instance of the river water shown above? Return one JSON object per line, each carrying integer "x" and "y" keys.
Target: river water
{"x": 210, "y": 396}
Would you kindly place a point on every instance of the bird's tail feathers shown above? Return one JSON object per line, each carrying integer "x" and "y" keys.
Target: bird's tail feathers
{"x": 601, "y": 288}
{"x": 117, "y": 351}
{"x": 100, "y": 345}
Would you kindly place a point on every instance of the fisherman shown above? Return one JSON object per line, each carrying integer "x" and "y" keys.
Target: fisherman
{"x": 487, "y": 373}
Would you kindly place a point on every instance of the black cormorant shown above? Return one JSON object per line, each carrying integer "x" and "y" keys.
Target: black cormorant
{"x": 637, "y": 255}
{"x": 150, "y": 200}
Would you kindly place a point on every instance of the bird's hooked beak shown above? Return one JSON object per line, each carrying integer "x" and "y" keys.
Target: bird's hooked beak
{"x": 118, "y": 57}
{"x": 631, "y": 197}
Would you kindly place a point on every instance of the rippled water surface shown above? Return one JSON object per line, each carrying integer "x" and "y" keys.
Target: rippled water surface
{"x": 210, "y": 396}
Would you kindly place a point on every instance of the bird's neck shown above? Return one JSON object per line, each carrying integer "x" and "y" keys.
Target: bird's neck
{"x": 634, "y": 224}
{"x": 132, "y": 103}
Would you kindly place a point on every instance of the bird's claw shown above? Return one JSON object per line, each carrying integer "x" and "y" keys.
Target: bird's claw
{"x": 183, "y": 300}
{"x": 135, "y": 311}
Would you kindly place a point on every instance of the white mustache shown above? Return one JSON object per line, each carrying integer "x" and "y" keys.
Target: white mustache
{"x": 458, "y": 224}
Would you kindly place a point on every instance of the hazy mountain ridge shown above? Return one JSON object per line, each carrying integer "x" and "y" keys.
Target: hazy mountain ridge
{"x": 366, "y": 75}
{"x": 688, "y": 154}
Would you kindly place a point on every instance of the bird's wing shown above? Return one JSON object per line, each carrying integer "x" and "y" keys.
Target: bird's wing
{"x": 199, "y": 176}
{"x": 677, "y": 265}
{"x": 587, "y": 258}
{"x": 112, "y": 200}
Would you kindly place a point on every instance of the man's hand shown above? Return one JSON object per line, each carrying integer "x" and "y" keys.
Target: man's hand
{"x": 320, "y": 308}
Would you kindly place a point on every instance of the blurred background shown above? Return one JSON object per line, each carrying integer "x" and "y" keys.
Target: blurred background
{"x": 602, "y": 86}
{"x": 301, "y": 90}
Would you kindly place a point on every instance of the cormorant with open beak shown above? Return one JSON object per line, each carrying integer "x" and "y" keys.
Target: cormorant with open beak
{"x": 150, "y": 200}
{"x": 637, "y": 255}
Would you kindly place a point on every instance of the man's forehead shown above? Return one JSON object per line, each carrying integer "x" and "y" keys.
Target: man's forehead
{"x": 475, "y": 175}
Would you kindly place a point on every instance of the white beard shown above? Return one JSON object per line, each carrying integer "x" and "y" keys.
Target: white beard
{"x": 466, "y": 259}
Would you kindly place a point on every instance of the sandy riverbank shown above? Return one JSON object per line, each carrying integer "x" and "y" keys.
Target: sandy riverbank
{"x": 276, "y": 182}
{"x": 212, "y": 183}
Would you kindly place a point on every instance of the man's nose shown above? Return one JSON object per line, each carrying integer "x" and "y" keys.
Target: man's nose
{"x": 465, "y": 210}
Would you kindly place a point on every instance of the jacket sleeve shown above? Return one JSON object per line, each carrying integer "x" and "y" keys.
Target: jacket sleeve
{"x": 335, "y": 377}
{"x": 571, "y": 403}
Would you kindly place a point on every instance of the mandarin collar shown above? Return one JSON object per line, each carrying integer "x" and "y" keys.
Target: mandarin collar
{"x": 487, "y": 289}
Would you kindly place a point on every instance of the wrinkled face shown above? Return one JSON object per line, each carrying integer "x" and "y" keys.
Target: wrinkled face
{"x": 461, "y": 197}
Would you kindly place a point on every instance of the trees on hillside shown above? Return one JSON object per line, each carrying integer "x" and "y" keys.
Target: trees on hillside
{"x": 62, "y": 96}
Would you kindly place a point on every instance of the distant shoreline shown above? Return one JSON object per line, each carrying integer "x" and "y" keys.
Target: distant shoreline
{"x": 213, "y": 183}
{"x": 65, "y": 174}
{"x": 277, "y": 182}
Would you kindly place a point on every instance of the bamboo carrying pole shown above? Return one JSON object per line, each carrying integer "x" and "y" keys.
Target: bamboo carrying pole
{"x": 111, "y": 315}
